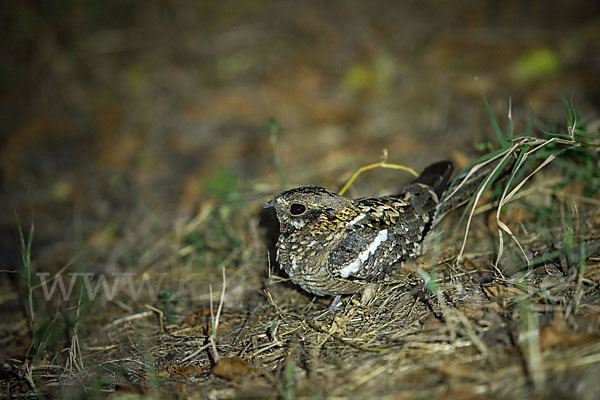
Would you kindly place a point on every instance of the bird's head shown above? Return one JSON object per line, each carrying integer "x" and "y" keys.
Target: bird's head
{"x": 296, "y": 208}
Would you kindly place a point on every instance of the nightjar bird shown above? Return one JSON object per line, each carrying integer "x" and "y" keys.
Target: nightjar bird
{"x": 332, "y": 245}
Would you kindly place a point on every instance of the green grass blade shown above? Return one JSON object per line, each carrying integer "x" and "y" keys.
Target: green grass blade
{"x": 504, "y": 143}
{"x": 26, "y": 260}
{"x": 529, "y": 128}
{"x": 45, "y": 338}
{"x": 571, "y": 116}
{"x": 518, "y": 172}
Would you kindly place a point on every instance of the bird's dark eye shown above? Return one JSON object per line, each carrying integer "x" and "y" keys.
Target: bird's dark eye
{"x": 297, "y": 209}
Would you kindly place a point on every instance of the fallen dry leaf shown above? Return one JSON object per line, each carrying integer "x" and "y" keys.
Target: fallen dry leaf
{"x": 184, "y": 371}
{"x": 231, "y": 368}
{"x": 551, "y": 337}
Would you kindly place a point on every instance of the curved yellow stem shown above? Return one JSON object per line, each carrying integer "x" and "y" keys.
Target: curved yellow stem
{"x": 381, "y": 164}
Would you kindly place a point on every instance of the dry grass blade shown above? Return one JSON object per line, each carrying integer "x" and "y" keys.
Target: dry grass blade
{"x": 506, "y": 198}
{"x": 471, "y": 172}
{"x": 160, "y": 316}
{"x": 132, "y": 317}
{"x": 214, "y": 319}
{"x": 505, "y": 155}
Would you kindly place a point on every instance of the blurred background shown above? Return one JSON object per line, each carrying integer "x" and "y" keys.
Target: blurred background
{"x": 120, "y": 118}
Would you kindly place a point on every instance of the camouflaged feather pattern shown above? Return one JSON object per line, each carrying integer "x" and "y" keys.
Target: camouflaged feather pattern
{"x": 332, "y": 245}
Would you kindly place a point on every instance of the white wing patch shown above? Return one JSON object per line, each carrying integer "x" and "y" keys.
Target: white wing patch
{"x": 355, "y": 265}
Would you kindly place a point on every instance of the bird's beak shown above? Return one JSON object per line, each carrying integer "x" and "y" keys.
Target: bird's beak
{"x": 269, "y": 204}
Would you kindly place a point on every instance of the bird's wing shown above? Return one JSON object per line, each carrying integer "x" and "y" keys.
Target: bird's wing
{"x": 362, "y": 254}
{"x": 387, "y": 230}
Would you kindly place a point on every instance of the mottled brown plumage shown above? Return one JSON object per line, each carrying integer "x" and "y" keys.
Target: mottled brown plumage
{"x": 332, "y": 245}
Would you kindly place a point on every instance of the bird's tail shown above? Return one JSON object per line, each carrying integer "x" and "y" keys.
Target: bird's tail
{"x": 437, "y": 176}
